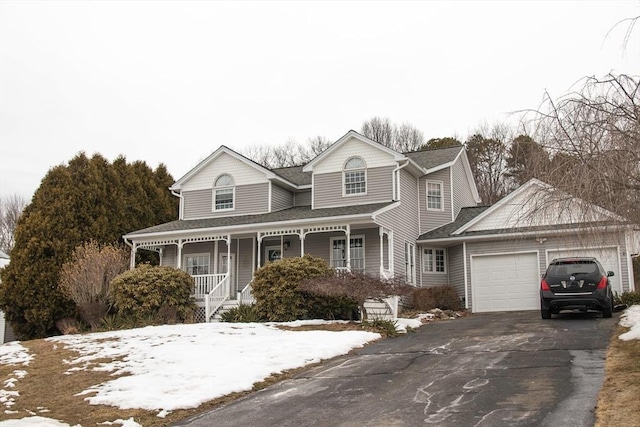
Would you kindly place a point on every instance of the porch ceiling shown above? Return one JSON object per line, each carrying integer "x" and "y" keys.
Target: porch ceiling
{"x": 283, "y": 218}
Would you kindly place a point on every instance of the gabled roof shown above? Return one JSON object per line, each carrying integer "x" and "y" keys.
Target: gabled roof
{"x": 294, "y": 174}
{"x": 223, "y": 149}
{"x": 514, "y": 205}
{"x": 298, "y": 213}
{"x": 352, "y": 134}
{"x": 436, "y": 157}
{"x": 464, "y": 216}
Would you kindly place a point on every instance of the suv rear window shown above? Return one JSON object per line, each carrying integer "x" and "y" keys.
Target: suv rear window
{"x": 572, "y": 268}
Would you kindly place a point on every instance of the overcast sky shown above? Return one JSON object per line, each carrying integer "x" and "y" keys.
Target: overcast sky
{"x": 169, "y": 82}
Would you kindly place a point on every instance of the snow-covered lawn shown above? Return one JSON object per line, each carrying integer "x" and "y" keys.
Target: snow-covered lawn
{"x": 182, "y": 366}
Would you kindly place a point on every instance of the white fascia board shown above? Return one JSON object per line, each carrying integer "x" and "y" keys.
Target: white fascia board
{"x": 501, "y": 236}
{"x": 245, "y": 227}
{"x": 224, "y": 149}
{"x": 385, "y": 209}
{"x": 470, "y": 178}
{"x": 505, "y": 200}
{"x": 351, "y": 134}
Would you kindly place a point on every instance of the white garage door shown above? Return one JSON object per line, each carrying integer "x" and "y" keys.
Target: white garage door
{"x": 505, "y": 282}
{"x": 608, "y": 257}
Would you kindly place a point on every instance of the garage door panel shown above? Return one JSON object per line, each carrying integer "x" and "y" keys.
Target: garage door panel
{"x": 608, "y": 257}
{"x": 505, "y": 282}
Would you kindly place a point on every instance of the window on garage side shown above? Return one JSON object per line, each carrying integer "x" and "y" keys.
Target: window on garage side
{"x": 223, "y": 193}
{"x": 434, "y": 196}
{"x": 434, "y": 260}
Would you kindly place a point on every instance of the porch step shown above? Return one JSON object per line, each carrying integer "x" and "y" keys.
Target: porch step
{"x": 226, "y": 306}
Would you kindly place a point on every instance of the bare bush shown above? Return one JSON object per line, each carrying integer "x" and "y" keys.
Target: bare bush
{"x": 358, "y": 287}
{"x": 85, "y": 278}
{"x": 443, "y": 297}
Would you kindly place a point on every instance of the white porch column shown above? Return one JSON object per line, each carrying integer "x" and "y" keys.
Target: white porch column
{"x": 179, "y": 261}
{"x": 347, "y": 232}
{"x": 391, "y": 252}
{"x": 132, "y": 262}
{"x": 301, "y": 244}
{"x": 259, "y": 250}
{"x": 228, "y": 253}
{"x": 381, "y": 232}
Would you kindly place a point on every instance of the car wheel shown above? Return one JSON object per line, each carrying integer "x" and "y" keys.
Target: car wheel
{"x": 545, "y": 313}
{"x": 607, "y": 311}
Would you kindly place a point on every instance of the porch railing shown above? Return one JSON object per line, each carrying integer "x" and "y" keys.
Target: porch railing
{"x": 245, "y": 296}
{"x": 204, "y": 283}
{"x": 216, "y": 297}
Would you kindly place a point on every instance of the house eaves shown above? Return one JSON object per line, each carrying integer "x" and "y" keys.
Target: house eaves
{"x": 352, "y": 134}
{"x": 177, "y": 186}
{"x": 297, "y": 216}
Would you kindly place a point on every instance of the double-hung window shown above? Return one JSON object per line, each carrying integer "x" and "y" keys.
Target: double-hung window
{"x": 355, "y": 176}
{"x": 434, "y": 196}
{"x": 434, "y": 261}
{"x": 223, "y": 193}
{"x": 197, "y": 264}
{"x": 339, "y": 253}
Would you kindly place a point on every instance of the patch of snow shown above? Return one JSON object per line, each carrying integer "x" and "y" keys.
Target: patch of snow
{"x": 34, "y": 422}
{"x": 630, "y": 318}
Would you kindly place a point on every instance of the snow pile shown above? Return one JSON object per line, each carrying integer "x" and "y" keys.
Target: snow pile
{"x": 631, "y": 319}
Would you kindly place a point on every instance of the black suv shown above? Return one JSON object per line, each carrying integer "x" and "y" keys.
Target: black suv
{"x": 575, "y": 283}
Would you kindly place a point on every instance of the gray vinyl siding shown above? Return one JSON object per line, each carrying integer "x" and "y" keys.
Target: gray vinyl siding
{"x": 403, "y": 221}
{"x": 249, "y": 199}
{"x": 430, "y": 219}
{"x": 531, "y": 245}
{"x": 169, "y": 256}
{"x": 430, "y": 278}
{"x": 243, "y": 249}
{"x": 319, "y": 245}
{"x": 462, "y": 195}
{"x": 280, "y": 198}
{"x": 302, "y": 198}
{"x": 455, "y": 266}
{"x": 327, "y": 188}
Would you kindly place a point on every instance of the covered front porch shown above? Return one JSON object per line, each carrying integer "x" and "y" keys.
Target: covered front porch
{"x": 223, "y": 264}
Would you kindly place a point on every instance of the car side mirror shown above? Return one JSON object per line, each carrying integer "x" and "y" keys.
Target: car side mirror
{"x": 610, "y": 273}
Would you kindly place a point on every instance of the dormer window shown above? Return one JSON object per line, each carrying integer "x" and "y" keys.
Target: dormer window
{"x": 223, "y": 193}
{"x": 355, "y": 176}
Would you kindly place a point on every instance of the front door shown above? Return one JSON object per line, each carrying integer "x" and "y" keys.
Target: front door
{"x": 222, "y": 268}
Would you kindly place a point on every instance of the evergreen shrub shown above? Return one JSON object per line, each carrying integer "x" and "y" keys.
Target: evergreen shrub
{"x": 150, "y": 292}
{"x": 276, "y": 287}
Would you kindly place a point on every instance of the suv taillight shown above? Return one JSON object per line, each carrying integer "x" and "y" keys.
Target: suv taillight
{"x": 603, "y": 283}
{"x": 544, "y": 285}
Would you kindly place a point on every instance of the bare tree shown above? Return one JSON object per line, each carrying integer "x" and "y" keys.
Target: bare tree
{"x": 87, "y": 276}
{"x": 288, "y": 154}
{"x": 402, "y": 138}
{"x": 487, "y": 151}
{"x": 11, "y": 208}
{"x": 593, "y": 135}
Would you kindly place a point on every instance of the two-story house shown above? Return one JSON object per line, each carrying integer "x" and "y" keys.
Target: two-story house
{"x": 362, "y": 207}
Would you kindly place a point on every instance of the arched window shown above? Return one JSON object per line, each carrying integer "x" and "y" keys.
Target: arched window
{"x": 223, "y": 193}
{"x": 355, "y": 176}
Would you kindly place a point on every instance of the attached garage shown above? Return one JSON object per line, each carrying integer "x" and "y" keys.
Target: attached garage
{"x": 607, "y": 256}
{"x": 505, "y": 282}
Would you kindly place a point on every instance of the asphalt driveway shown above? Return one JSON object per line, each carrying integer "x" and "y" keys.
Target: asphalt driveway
{"x": 499, "y": 369}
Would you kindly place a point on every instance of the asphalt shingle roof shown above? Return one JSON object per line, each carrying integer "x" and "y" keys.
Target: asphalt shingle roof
{"x": 291, "y": 214}
{"x": 294, "y": 174}
{"x": 438, "y": 156}
{"x": 464, "y": 216}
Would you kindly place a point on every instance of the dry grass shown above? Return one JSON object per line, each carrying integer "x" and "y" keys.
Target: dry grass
{"x": 49, "y": 392}
{"x": 619, "y": 398}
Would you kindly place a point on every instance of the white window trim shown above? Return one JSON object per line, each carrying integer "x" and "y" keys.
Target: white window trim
{"x": 424, "y": 264}
{"x": 410, "y": 248}
{"x": 344, "y": 181}
{"x": 272, "y": 248}
{"x": 441, "y": 184}
{"x": 185, "y": 264}
{"x": 364, "y": 252}
{"x": 226, "y": 187}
